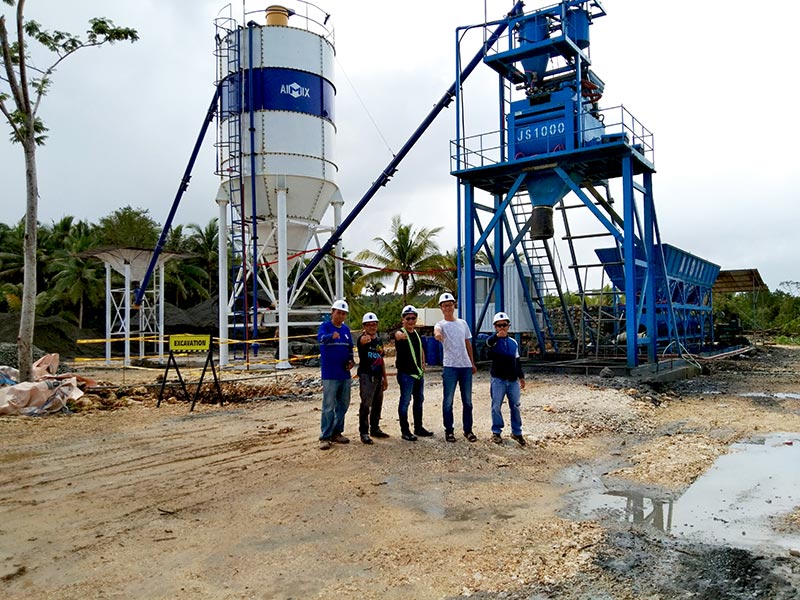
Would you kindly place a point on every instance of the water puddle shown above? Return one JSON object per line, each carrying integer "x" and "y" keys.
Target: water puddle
{"x": 736, "y": 502}
{"x": 779, "y": 395}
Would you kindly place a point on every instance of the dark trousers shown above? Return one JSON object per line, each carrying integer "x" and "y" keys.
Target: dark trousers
{"x": 410, "y": 388}
{"x": 370, "y": 388}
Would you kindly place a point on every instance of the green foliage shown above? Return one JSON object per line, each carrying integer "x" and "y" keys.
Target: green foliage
{"x": 29, "y": 82}
{"x": 72, "y": 281}
{"x": 386, "y": 306}
{"x": 403, "y": 256}
{"x": 129, "y": 228}
{"x": 776, "y": 313}
{"x": 19, "y": 128}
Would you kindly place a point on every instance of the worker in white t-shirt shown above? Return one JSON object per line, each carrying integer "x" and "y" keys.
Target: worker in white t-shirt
{"x": 458, "y": 366}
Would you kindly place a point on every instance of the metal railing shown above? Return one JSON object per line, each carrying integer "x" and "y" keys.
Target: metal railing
{"x": 617, "y": 124}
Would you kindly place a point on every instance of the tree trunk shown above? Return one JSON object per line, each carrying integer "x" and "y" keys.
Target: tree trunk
{"x": 28, "y": 315}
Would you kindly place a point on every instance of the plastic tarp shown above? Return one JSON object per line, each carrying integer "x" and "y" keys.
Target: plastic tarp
{"x": 47, "y": 394}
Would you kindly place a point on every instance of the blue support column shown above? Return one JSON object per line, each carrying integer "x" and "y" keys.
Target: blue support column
{"x": 629, "y": 254}
{"x": 466, "y": 302}
{"x": 653, "y": 268}
{"x": 497, "y": 256}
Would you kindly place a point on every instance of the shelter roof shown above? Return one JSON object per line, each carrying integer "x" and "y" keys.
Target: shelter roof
{"x": 138, "y": 259}
{"x": 739, "y": 280}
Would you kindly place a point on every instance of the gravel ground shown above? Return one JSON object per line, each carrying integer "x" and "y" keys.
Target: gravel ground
{"x": 125, "y": 500}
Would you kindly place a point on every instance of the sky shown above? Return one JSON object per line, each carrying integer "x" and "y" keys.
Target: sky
{"x": 711, "y": 81}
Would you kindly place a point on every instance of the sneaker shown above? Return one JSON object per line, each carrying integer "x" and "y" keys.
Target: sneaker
{"x": 365, "y": 439}
{"x": 409, "y": 437}
{"x": 340, "y": 439}
{"x": 422, "y": 432}
{"x": 470, "y": 436}
{"x": 324, "y": 444}
{"x": 497, "y": 438}
{"x": 449, "y": 437}
{"x": 519, "y": 439}
{"x": 377, "y": 433}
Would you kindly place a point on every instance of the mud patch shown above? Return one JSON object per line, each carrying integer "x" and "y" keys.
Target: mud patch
{"x": 658, "y": 567}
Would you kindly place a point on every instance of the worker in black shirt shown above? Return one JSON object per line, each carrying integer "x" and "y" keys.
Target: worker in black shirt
{"x": 372, "y": 380}
{"x": 410, "y": 374}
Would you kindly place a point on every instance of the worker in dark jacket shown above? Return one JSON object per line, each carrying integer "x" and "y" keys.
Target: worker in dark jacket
{"x": 507, "y": 378}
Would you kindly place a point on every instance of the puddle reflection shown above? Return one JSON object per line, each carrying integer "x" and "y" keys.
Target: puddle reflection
{"x": 734, "y": 502}
{"x": 640, "y": 509}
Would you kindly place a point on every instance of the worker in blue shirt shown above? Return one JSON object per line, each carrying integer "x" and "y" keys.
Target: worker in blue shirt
{"x": 336, "y": 360}
{"x": 507, "y": 378}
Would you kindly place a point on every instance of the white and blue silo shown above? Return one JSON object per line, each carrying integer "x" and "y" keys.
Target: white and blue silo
{"x": 276, "y": 153}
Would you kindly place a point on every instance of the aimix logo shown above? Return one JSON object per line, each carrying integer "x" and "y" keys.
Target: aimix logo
{"x": 295, "y": 90}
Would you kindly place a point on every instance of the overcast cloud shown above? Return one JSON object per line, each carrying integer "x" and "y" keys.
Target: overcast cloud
{"x": 710, "y": 81}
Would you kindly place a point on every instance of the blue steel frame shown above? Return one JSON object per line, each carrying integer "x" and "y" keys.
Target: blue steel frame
{"x": 585, "y": 157}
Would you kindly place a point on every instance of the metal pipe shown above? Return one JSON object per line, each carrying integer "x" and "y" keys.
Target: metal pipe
{"x": 283, "y": 275}
{"x": 184, "y": 184}
{"x": 222, "y": 277}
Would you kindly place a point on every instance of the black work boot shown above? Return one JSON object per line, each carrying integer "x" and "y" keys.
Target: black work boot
{"x": 408, "y": 436}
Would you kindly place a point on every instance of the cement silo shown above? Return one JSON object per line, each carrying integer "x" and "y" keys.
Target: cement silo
{"x": 276, "y": 150}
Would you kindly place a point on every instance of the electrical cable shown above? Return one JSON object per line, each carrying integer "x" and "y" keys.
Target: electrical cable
{"x": 366, "y": 110}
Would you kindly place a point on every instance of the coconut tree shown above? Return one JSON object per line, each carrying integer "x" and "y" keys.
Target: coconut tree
{"x": 407, "y": 253}
{"x": 75, "y": 278}
{"x": 202, "y": 243}
{"x": 185, "y": 280}
{"x": 80, "y": 280}
{"x": 12, "y": 258}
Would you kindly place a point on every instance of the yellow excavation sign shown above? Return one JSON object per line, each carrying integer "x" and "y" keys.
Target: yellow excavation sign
{"x": 186, "y": 342}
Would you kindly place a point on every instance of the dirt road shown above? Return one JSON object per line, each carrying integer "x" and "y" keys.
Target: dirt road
{"x": 238, "y": 502}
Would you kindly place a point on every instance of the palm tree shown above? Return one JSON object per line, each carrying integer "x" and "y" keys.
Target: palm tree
{"x": 202, "y": 242}
{"x": 352, "y": 284}
{"x": 407, "y": 253}
{"x": 77, "y": 279}
{"x": 374, "y": 289}
{"x": 443, "y": 276}
{"x": 185, "y": 280}
{"x": 12, "y": 263}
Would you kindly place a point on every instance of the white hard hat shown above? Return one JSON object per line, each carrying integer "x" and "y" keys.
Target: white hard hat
{"x": 369, "y": 318}
{"x": 408, "y": 309}
{"x": 446, "y": 297}
{"x": 501, "y": 316}
{"x": 340, "y": 305}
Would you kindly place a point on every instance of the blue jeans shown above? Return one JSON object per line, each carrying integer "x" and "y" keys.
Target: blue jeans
{"x": 463, "y": 377}
{"x": 335, "y": 402}
{"x": 500, "y": 388}
{"x": 410, "y": 388}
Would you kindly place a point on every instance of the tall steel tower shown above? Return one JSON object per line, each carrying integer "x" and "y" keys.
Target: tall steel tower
{"x": 276, "y": 142}
{"x": 553, "y": 140}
